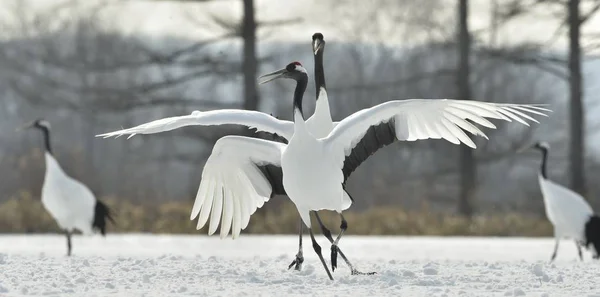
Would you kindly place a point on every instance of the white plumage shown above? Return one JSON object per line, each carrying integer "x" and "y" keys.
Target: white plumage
{"x": 262, "y": 122}
{"x": 71, "y": 203}
{"x": 567, "y": 210}
{"x": 413, "y": 119}
{"x": 569, "y": 213}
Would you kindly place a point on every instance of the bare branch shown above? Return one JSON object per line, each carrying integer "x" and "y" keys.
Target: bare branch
{"x": 160, "y": 58}
{"x": 275, "y": 23}
{"x": 392, "y": 84}
{"x": 527, "y": 57}
{"x": 585, "y": 17}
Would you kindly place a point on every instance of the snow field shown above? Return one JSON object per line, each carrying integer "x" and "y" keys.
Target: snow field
{"x": 196, "y": 265}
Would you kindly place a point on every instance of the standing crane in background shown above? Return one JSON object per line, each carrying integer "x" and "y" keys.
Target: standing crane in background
{"x": 71, "y": 203}
{"x": 571, "y": 216}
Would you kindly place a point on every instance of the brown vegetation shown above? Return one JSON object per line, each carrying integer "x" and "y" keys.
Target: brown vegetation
{"x": 25, "y": 214}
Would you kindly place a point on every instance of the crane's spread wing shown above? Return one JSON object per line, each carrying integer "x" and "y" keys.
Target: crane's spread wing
{"x": 252, "y": 119}
{"x": 361, "y": 134}
{"x": 567, "y": 210}
{"x": 240, "y": 175}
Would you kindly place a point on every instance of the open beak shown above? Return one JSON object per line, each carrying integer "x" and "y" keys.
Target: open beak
{"x": 317, "y": 45}
{"x": 272, "y": 76}
{"x": 23, "y": 127}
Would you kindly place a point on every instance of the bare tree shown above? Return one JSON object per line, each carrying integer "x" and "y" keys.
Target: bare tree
{"x": 468, "y": 182}
{"x": 250, "y": 64}
{"x": 572, "y": 16}
{"x": 577, "y": 151}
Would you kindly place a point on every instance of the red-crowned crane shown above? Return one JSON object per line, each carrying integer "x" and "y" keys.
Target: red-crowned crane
{"x": 71, "y": 203}
{"x": 571, "y": 216}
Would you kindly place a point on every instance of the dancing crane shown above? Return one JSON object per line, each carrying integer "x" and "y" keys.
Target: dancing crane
{"x": 314, "y": 170}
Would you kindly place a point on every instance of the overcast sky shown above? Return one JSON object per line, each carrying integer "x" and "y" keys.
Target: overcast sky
{"x": 176, "y": 18}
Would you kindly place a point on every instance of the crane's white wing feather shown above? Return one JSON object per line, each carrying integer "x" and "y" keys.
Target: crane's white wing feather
{"x": 370, "y": 129}
{"x": 567, "y": 210}
{"x": 432, "y": 118}
{"x": 252, "y": 119}
{"x": 233, "y": 186}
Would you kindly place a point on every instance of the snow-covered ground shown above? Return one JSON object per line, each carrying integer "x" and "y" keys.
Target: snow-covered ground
{"x": 167, "y": 265}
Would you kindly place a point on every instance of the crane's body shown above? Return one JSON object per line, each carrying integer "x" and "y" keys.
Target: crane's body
{"x": 566, "y": 210}
{"x": 71, "y": 203}
{"x": 571, "y": 216}
{"x": 59, "y": 190}
{"x": 320, "y": 190}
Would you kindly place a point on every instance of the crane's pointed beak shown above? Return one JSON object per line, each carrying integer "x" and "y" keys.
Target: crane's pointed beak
{"x": 263, "y": 79}
{"x": 23, "y": 127}
{"x": 318, "y": 45}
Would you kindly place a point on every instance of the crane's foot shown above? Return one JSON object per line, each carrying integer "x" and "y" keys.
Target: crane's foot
{"x": 297, "y": 263}
{"x": 356, "y": 272}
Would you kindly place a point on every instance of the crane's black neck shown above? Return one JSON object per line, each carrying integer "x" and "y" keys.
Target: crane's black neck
{"x": 319, "y": 72}
{"x": 301, "y": 84}
{"x": 46, "y": 133}
{"x": 543, "y": 167}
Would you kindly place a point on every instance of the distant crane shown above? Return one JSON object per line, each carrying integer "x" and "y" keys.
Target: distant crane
{"x": 68, "y": 201}
{"x": 571, "y": 216}
{"x": 314, "y": 170}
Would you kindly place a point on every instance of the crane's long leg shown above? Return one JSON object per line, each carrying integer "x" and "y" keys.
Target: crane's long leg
{"x": 579, "y": 250}
{"x": 68, "y": 242}
{"x": 555, "y": 249}
{"x": 334, "y": 245}
{"x": 327, "y": 234}
{"x": 317, "y": 249}
{"x": 299, "y": 256}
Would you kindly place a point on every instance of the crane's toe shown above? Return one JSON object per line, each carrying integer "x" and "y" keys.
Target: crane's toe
{"x": 297, "y": 263}
{"x": 356, "y": 272}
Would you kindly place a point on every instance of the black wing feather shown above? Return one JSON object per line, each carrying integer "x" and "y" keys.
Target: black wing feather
{"x": 274, "y": 175}
{"x": 376, "y": 137}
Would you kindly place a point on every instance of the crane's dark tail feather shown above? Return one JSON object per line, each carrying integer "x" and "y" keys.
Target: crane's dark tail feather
{"x": 101, "y": 213}
{"x": 592, "y": 234}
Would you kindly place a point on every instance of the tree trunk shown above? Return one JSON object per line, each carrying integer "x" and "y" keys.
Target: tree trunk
{"x": 249, "y": 34}
{"x": 467, "y": 159}
{"x": 577, "y": 150}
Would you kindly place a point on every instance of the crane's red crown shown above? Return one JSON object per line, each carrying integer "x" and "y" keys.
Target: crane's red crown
{"x": 294, "y": 66}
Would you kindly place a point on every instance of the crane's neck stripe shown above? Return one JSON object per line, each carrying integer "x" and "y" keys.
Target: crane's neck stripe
{"x": 319, "y": 72}
{"x": 543, "y": 166}
{"x": 46, "y": 133}
{"x": 298, "y": 95}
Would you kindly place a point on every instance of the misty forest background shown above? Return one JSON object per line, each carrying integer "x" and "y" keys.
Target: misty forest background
{"x": 79, "y": 67}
